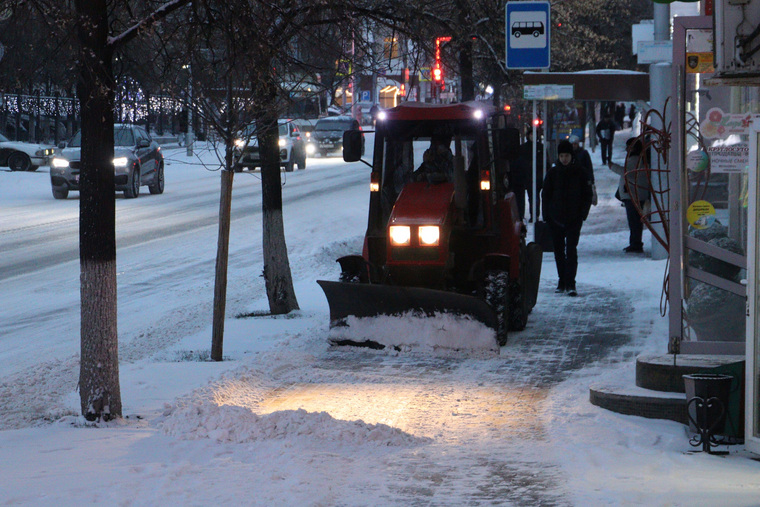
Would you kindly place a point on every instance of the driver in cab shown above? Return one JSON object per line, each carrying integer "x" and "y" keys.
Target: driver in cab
{"x": 437, "y": 162}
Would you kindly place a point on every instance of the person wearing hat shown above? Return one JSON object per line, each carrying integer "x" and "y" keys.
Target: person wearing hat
{"x": 632, "y": 177}
{"x": 584, "y": 159}
{"x": 566, "y": 199}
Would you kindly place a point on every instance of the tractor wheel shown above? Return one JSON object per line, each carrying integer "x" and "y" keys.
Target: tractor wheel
{"x": 496, "y": 287}
{"x": 518, "y": 307}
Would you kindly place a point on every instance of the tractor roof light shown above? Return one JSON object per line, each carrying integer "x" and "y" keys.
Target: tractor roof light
{"x": 382, "y": 115}
{"x": 478, "y": 114}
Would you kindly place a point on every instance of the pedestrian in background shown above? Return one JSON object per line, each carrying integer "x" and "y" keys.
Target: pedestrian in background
{"x": 620, "y": 115}
{"x": 632, "y": 113}
{"x": 605, "y": 131}
{"x": 631, "y": 175}
{"x": 566, "y": 203}
{"x": 524, "y": 175}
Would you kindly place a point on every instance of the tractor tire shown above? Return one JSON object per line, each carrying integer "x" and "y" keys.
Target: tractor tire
{"x": 518, "y": 307}
{"x": 496, "y": 292}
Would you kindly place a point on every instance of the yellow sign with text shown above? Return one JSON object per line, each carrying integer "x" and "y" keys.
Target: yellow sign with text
{"x": 700, "y": 215}
{"x": 699, "y": 63}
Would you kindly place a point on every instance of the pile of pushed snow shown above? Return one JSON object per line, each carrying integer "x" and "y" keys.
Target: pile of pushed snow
{"x": 442, "y": 332}
{"x": 235, "y": 424}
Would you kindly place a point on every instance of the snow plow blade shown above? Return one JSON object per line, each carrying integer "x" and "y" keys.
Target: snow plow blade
{"x": 363, "y": 301}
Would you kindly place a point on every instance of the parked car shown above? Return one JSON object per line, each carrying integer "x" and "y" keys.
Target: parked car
{"x": 137, "y": 162}
{"x": 20, "y": 156}
{"x": 328, "y": 133}
{"x": 291, "y": 142}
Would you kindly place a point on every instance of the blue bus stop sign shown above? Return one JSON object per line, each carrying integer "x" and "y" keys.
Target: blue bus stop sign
{"x": 528, "y": 30}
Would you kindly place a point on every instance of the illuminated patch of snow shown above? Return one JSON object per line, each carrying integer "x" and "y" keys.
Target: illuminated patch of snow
{"x": 235, "y": 424}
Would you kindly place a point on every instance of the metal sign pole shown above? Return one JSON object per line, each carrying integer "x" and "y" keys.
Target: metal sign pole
{"x": 535, "y": 180}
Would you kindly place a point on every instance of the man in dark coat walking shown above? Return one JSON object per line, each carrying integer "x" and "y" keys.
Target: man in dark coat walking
{"x": 566, "y": 203}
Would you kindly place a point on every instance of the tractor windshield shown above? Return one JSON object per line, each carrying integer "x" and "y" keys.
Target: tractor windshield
{"x": 433, "y": 158}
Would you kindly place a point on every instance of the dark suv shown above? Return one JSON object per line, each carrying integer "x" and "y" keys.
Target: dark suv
{"x": 328, "y": 133}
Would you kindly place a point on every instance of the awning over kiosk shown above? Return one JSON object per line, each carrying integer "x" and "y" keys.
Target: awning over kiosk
{"x": 597, "y": 85}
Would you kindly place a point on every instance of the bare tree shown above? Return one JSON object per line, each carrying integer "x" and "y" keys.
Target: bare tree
{"x": 99, "y": 370}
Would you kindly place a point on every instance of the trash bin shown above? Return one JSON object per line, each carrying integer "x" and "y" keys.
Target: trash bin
{"x": 706, "y": 386}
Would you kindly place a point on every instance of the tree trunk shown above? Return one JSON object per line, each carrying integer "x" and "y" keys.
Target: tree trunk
{"x": 222, "y": 257}
{"x": 223, "y": 242}
{"x": 465, "y": 70}
{"x": 465, "y": 51}
{"x": 99, "y": 369}
{"x": 277, "y": 276}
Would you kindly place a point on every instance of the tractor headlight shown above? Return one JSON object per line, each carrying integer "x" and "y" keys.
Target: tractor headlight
{"x": 401, "y": 235}
{"x": 60, "y": 163}
{"x": 120, "y": 162}
{"x": 429, "y": 235}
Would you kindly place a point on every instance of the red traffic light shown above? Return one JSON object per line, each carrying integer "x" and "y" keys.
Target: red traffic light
{"x": 507, "y": 108}
{"x": 437, "y": 74}
{"x": 538, "y": 122}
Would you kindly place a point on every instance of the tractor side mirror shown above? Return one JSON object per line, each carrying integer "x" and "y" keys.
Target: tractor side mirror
{"x": 352, "y": 145}
{"x": 507, "y": 143}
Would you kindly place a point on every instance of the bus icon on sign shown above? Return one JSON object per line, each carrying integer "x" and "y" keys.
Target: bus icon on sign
{"x": 534, "y": 28}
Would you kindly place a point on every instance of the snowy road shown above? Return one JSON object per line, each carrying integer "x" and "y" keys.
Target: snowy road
{"x": 166, "y": 244}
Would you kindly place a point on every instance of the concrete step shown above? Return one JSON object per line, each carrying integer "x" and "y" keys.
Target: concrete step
{"x": 632, "y": 400}
{"x": 665, "y": 372}
{"x": 659, "y": 392}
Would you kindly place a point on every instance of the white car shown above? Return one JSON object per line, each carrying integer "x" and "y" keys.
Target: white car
{"x": 291, "y": 143}
{"x": 24, "y": 156}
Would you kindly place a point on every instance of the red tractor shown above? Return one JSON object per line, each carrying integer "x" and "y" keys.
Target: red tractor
{"x": 443, "y": 234}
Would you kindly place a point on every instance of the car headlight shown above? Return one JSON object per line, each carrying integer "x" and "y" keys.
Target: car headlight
{"x": 240, "y": 143}
{"x": 60, "y": 163}
{"x": 429, "y": 235}
{"x": 282, "y": 143}
{"x": 120, "y": 162}
{"x": 400, "y": 235}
